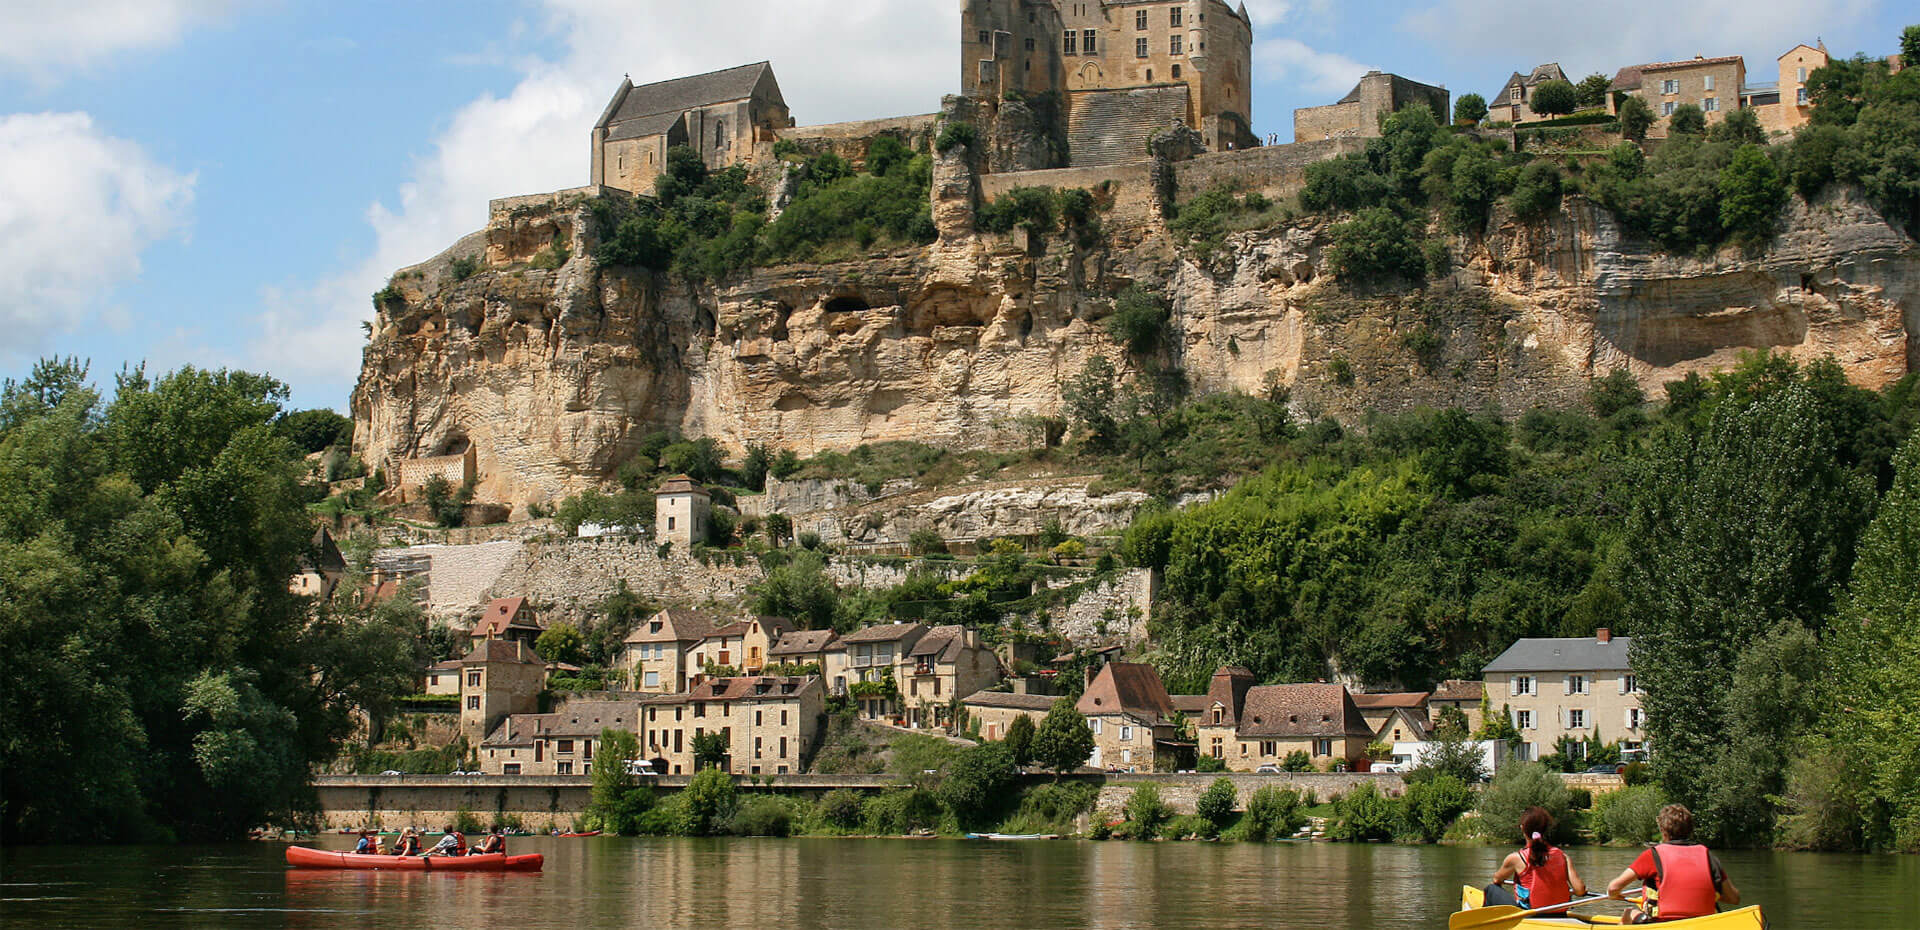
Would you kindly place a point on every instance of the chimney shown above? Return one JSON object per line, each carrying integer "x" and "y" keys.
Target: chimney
{"x": 1604, "y": 635}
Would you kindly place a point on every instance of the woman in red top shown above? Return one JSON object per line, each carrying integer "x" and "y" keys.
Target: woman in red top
{"x": 1683, "y": 879}
{"x": 1542, "y": 875}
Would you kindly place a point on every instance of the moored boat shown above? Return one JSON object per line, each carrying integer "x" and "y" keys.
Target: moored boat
{"x": 581, "y": 833}
{"x": 301, "y": 857}
{"x": 1013, "y": 836}
{"x": 1746, "y": 918}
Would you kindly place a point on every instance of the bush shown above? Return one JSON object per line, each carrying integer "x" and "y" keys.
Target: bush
{"x": 955, "y": 134}
{"x": 1190, "y": 826}
{"x": 1687, "y": 120}
{"x": 1517, "y": 788}
{"x": 1146, "y": 813}
{"x": 1272, "y": 813}
{"x": 1216, "y": 803}
{"x": 1376, "y": 244}
{"x": 1297, "y": 761}
{"x": 463, "y": 267}
{"x": 1052, "y": 808}
{"x": 926, "y": 541}
{"x": 1635, "y": 119}
{"x": 1364, "y": 814}
{"x": 1536, "y": 193}
{"x": 1031, "y": 208}
{"x": 1206, "y": 765}
{"x": 706, "y": 803}
{"x": 978, "y": 783}
{"x": 901, "y": 812}
{"x": 762, "y": 815}
{"x": 1751, "y": 195}
{"x": 1579, "y": 799}
{"x": 1628, "y": 817}
{"x": 1139, "y": 319}
{"x": 841, "y": 809}
{"x": 1432, "y": 805}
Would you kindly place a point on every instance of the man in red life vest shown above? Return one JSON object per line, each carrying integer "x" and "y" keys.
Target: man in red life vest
{"x": 1688, "y": 879}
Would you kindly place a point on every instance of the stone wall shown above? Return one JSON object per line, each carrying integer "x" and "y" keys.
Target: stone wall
{"x": 843, "y": 512}
{"x": 1278, "y": 171}
{"x": 1111, "y": 613}
{"x": 1595, "y": 782}
{"x": 569, "y": 577}
{"x": 1182, "y": 792}
{"x": 850, "y": 140}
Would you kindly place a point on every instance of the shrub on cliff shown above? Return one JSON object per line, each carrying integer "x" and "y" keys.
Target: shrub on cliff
{"x": 1139, "y": 319}
{"x": 1376, "y": 245}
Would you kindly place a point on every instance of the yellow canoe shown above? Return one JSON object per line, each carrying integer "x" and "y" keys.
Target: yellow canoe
{"x": 1746, "y": 918}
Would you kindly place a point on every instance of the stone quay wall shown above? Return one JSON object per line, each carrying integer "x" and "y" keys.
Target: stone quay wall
{"x": 1182, "y": 792}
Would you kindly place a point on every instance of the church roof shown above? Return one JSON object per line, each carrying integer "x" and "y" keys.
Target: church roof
{"x": 652, "y": 109}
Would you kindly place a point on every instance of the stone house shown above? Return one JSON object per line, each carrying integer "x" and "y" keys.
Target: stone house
{"x": 945, "y": 663}
{"x": 499, "y": 678}
{"x": 508, "y": 618}
{"x": 722, "y": 115}
{"x": 873, "y": 657}
{"x": 459, "y": 466}
{"x": 443, "y": 678}
{"x": 1378, "y": 709}
{"x": 770, "y": 723}
{"x": 1582, "y": 688}
{"x": 1714, "y": 85}
{"x": 995, "y": 711}
{"x": 658, "y": 650}
{"x": 1359, "y": 113}
{"x": 1400, "y": 725}
{"x": 680, "y": 510}
{"x": 1461, "y": 694}
{"x": 1788, "y": 108}
{"x": 1514, "y": 102}
{"x": 1319, "y": 719}
{"x": 1124, "y": 69}
{"x": 1132, "y": 719}
{"x": 1219, "y": 715}
{"x": 742, "y": 645}
{"x": 559, "y": 743}
{"x": 320, "y": 567}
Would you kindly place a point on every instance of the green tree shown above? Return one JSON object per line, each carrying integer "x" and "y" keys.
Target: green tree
{"x": 1019, "y": 739}
{"x": 1377, "y": 243}
{"x": 1297, "y": 761}
{"x": 1615, "y": 393}
{"x": 1741, "y": 127}
{"x": 1429, "y": 807}
{"x": 1089, "y": 399}
{"x": 618, "y": 799}
{"x": 1139, "y": 319}
{"x": 1063, "y": 743}
{"x": 1216, "y": 803}
{"x": 312, "y": 431}
{"x": 755, "y": 466}
{"x": 1146, "y": 812}
{"x": 1635, "y": 119}
{"x": 779, "y": 528}
{"x": 1751, "y": 195}
{"x": 799, "y": 588}
{"x": 1687, "y": 120}
{"x": 706, "y": 803}
{"x": 979, "y": 784}
{"x": 1554, "y": 98}
{"x": 710, "y": 750}
{"x": 1450, "y": 722}
{"x": 1536, "y": 193}
{"x": 561, "y": 642}
{"x": 1591, "y": 92}
{"x": 1364, "y": 814}
{"x": 1272, "y": 813}
{"x": 1518, "y": 787}
{"x": 1469, "y": 110}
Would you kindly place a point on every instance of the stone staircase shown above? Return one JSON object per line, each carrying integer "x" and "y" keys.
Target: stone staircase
{"x": 1111, "y": 127}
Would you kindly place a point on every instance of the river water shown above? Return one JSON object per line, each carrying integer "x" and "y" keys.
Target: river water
{"x": 879, "y": 884}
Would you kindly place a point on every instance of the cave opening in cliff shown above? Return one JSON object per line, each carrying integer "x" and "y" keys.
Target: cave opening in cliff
{"x": 847, "y": 305}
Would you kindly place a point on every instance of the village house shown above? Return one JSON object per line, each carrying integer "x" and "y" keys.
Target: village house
{"x": 741, "y": 646}
{"x": 1790, "y": 107}
{"x": 659, "y": 650}
{"x": 1359, "y": 114}
{"x": 821, "y": 649}
{"x": 443, "y": 678}
{"x": 873, "y": 666}
{"x": 1579, "y": 688}
{"x": 1219, "y": 716}
{"x": 769, "y": 723}
{"x": 500, "y": 677}
{"x": 320, "y": 567}
{"x": 943, "y": 664}
{"x": 1461, "y": 694}
{"x": 1132, "y": 720}
{"x": 559, "y": 743}
{"x": 1394, "y": 717}
{"x": 722, "y": 115}
{"x": 1714, "y": 85}
{"x": 995, "y": 711}
{"x": 1317, "y": 719}
{"x": 1514, "y": 102}
{"x": 680, "y": 511}
{"x": 508, "y": 618}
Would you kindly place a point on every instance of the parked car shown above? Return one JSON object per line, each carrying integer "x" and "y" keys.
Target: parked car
{"x": 1268, "y": 769}
{"x": 640, "y": 767}
{"x": 1392, "y": 768}
{"x": 392, "y": 772}
{"x": 1607, "y": 768}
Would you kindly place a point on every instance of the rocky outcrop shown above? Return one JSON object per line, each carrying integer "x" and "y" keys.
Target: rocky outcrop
{"x": 554, "y": 374}
{"x": 845, "y": 512}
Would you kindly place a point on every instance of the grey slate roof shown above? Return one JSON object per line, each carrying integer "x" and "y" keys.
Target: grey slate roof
{"x": 652, "y": 108}
{"x": 1582, "y": 654}
{"x": 1039, "y": 702}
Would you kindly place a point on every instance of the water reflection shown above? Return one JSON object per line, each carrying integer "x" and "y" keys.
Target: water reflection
{"x": 890, "y": 884}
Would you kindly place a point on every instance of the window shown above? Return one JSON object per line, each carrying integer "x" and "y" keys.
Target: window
{"x": 1126, "y": 734}
{"x": 1094, "y": 725}
{"x": 719, "y": 134}
{"x": 783, "y": 715}
{"x": 473, "y": 702}
{"x": 653, "y": 680}
{"x": 1218, "y": 752}
{"x": 1636, "y": 718}
{"x": 1174, "y": 44}
{"x": 1578, "y": 750}
{"x": 1524, "y": 753}
{"x": 1173, "y": 17}
{"x": 473, "y": 678}
{"x": 565, "y": 746}
{"x": 1029, "y": 43}
{"x": 783, "y": 747}
{"x": 1576, "y": 719}
{"x": 1323, "y": 747}
{"x": 1070, "y": 44}
{"x": 563, "y": 768}
{"x": 1800, "y": 75}
{"x": 779, "y": 770}
{"x": 1670, "y": 87}
{"x": 1629, "y": 684}
{"x": 1666, "y": 109}
{"x": 1576, "y": 684}
{"x": 756, "y": 747}
{"x": 1709, "y": 82}
{"x": 1140, "y": 20}
{"x": 1514, "y": 95}
{"x": 984, "y": 37}
{"x": 1176, "y": 72}
{"x": 1711, "y": 104}
{"x": 1140, "y": 46}
{"x": 1800, "y": 97}
{"x": 1087, "y": 42}
{"x": 1269, "y": 748}
{"x": 1522, "y": 684}
{"x": 1523, "y": 719}
{"x": 1126, "y": 756}
{"x": 669, "y": 523}
{"x": 756, "y": 718}
{"x": 511, "y": 768}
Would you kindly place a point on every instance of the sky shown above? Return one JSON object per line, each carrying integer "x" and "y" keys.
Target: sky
{"x": 224, "y": 183}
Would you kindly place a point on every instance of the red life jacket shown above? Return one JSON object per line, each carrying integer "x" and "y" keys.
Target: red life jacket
{"x": 459, "y": 843}
{"x": 1546, "y": 882}
{"x": 1684, "y": 876}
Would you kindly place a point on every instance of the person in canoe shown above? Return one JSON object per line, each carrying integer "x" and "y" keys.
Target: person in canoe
{"x": 1540, "y": 872}
{"x": 408, "y": 844}
{"x": 494, "y": 844}
{"x": 1683, "y": 879}
{"x": 366, "y": 846}
{"x": 451, "y": 844}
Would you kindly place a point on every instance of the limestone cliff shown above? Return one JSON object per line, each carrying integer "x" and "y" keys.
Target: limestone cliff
{"x": 555, "y": 373}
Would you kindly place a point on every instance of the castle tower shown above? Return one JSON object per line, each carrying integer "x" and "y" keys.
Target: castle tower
{"x": 680, "y": 510}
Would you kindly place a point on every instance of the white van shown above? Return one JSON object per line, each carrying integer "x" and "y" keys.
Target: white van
{"x": 640, "y": 767}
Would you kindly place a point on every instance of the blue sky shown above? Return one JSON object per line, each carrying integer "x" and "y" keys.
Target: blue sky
{"x": 224, "y": 182}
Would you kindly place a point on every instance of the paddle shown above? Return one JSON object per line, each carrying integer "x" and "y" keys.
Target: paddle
{"x": 1506, "y": 916}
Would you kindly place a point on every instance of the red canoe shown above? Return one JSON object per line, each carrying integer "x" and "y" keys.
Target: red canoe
{"x": 303, "y": 858}
{"x": 587, "y": 833}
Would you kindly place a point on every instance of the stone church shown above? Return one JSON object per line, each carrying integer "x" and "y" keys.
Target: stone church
{"x": 722, "y": 115}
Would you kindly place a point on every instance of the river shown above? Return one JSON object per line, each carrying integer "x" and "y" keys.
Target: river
{"x": 879, "y": 884}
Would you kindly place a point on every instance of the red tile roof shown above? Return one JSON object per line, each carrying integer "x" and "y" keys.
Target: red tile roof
{"x": 1130, "y": 688}
{"x": 1382, "y": 700}
{"x": 1302, "y": 711}
{"x": 501, "y": 650}
{"x": 682, "y": 484}
{"x": 503, "y": 614}
{"x": 1459, "y": 689}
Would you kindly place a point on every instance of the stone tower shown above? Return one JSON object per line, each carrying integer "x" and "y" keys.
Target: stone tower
{"x": 680, "y": 510}
{"x": 499, "y": 677}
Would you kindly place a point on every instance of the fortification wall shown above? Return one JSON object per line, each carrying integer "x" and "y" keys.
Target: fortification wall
{"x": 1333, "y": 121}
{"x": 850, "y": 140}
{"x": 1278, "y": 171}
{"x": 1131, "y": 186}
{"x": 1111, "y": 613}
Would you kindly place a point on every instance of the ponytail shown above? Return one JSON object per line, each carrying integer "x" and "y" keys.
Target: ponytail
{"x": 1535, "y": 826}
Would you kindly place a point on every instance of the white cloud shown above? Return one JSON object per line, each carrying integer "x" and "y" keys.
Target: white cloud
{"x": 1598, "y": 37}
{"x": 1296, "y": 63}
{"x": 77, "y": 209}
{"x": 43, "y": 38}
{"x": 835, "y": 60}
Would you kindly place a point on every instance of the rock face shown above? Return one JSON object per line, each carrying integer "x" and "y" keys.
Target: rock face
{"x": 844, "y": 512}
{"x": 555, "y": 374}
